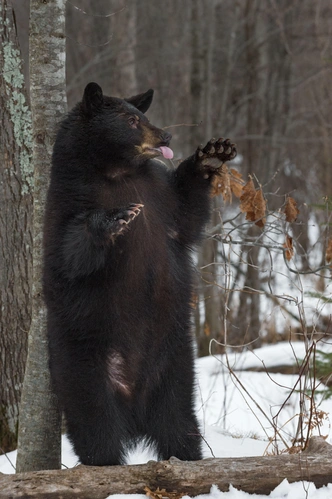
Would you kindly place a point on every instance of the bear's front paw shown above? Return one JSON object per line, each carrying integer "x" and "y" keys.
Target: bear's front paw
{"x": 120, "y": 219}
{"x": 214, "y": 154}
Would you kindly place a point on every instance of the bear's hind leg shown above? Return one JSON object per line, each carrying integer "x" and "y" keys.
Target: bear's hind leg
{"x": 98, "y": 423}
{"x": 174, "y": 437}
{"x": 172, "y": 425}
{"x": 99, "y": 440}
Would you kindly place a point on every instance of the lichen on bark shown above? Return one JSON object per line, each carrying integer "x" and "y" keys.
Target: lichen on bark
{"x": 17, "y": 105}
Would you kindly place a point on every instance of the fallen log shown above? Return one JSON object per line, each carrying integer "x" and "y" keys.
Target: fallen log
{"x": 250, "y": 474}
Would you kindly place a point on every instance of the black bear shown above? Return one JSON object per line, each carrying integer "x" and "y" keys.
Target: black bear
{"x": 118, "y": 278}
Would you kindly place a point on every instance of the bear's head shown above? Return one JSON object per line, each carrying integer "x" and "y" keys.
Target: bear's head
{"x": 117, "y": 129}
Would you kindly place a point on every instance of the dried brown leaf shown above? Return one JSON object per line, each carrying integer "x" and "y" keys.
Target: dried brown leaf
{"x": 288, "y": 245}
{"x": 162, "y": 493}
{"x": 328, "y": 254}
{"x": 260, "y": 208}
{"x": 221, "y": 184}
{"x": 291, "y": 210}
{"x": 156, "y": 494}
{"x": 227, "y": 182}
{"x": 236, "y": 182}
{"x": 248, "y": 194}
{"x": 252, "y": 202}
{"x": 237, "y": 175}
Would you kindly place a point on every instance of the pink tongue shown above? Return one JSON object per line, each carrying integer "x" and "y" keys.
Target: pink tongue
{"x": 166, "y": 152}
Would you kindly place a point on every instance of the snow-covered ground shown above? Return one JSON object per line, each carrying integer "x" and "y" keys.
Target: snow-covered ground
{"x": 232, "y": 423}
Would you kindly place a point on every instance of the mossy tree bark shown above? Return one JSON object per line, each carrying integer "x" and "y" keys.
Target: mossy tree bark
{"x": 39, "y": 438}
{"x": 15, "y": 227}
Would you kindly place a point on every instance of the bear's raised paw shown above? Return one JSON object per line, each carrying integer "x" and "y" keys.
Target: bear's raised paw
{"x": 215, "y": 153}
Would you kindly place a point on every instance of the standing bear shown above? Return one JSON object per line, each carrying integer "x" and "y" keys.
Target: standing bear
{"x": 118, "y": 277}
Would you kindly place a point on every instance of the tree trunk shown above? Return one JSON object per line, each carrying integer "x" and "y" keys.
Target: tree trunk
{"x": 39, "y": 441}
{"x": 247, "y": 321}
{"x": 15, "y": 228}
{"x": 124, "y": 82}
{"x": 259, "y": 475}
{"x": 203, "y": 21}
{"x": 210, "y": 294}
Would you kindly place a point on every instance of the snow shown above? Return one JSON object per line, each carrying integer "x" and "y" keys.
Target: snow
{"x": 236, "y": 412}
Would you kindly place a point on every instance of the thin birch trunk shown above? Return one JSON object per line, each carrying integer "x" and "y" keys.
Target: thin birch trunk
{"x": 39, "y": 440}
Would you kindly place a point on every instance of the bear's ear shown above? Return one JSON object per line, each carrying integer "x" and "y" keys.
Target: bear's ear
{"x": 142, "y": 102}
{"x": 92, "y": 98}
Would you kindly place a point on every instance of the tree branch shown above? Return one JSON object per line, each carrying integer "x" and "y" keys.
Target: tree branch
{"x": 257, "y": 475}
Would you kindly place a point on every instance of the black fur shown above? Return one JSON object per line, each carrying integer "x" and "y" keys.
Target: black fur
{"x": 118, "y": 279}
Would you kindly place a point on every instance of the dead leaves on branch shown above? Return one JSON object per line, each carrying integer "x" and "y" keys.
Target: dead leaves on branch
{"x": 291, "y": 210}
{"x": 253, "y": 204}
{"x": 162, "y": 494}
{"x": 229, "y": 181}
{"x": 289, "y": 248}
{"x": 328, "y": 254}
{"x": 226, "y": 182}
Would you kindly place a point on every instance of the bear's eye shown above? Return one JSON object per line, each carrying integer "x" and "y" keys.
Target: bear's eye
{"x": 133, "y": 121}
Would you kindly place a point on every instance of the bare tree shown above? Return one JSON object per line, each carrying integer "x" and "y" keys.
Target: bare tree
{"x": 40, "y": 420}
{"x": 15, "y": 227}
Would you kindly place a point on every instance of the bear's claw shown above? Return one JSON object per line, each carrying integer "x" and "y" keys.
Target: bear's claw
{"x": 122, "y": 218}
{"x": 129, "y": 213}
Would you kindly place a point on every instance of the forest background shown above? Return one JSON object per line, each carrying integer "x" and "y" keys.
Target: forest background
{"x": 257, "y": 71}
